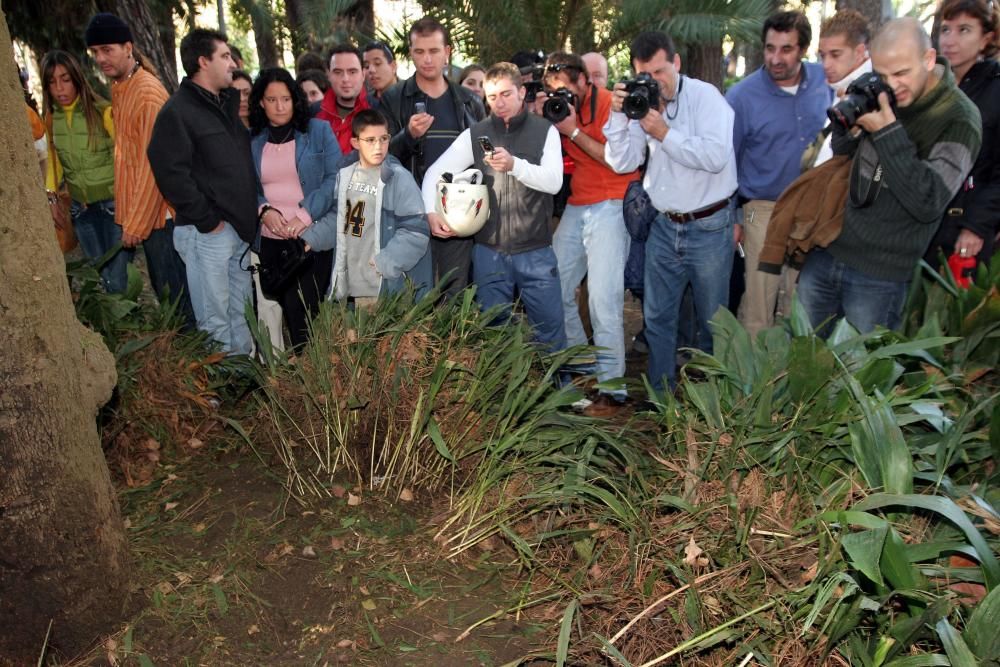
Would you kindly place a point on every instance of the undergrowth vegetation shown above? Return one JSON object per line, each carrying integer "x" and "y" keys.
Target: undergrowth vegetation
{"x": 796, "y": 501}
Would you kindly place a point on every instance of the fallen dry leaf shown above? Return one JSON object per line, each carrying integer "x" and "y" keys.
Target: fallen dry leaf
{"x": 195, "y": 443}
{"x": 252, "y": 630}
{"x": 169, "y": 506}
{"x": 694, "y": 555}
{"x": 308, "y": 551}
{"x": 369, "y": 604}
{"x": 338, "y": 491}
{"x": 353, "y": 500}
{"x": 406, "y": 495}
{"x": 336, "y": 543}
{"x": 346, "y": 643}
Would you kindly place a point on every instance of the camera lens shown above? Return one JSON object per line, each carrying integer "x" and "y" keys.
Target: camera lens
{"x": 636, "y": 105}
{"x": 555, "y": 109}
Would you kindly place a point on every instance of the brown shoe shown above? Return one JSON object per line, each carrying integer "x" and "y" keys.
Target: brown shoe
{"x": 603, "y": 406}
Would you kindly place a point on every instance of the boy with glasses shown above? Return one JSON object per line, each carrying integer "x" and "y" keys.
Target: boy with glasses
{"x": 377, "y": 226}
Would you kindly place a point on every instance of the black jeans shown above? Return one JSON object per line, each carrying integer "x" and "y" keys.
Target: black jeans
{"x": 300, "y": 301}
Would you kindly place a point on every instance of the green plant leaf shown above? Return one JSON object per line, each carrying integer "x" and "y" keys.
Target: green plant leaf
{"x": 810, "y": 366}
{"x": 929, "y": 660}
{"x": 958, "y": 652}
{"x": 434, "y": 431}
{"x": 982, "y": 631}
{"x": 864, "y": 550}
{"x": 565, "y": 630}
{"x": 949, "y": 510}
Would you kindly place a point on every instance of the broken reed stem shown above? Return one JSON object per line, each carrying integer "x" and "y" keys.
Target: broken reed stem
{"x": 650, "y": 608}
{"x": 694, "y": 641}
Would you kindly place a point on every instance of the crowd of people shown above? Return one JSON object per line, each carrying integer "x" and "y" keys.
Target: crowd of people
{"x": 831, "y": 180}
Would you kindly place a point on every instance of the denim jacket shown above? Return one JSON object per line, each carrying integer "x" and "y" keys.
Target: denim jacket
{"x": 403, "y": 232}
{"x": 317, "y": 158}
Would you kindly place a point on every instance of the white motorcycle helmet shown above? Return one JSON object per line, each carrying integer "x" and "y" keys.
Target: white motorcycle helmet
{"x": 463, "y": 202}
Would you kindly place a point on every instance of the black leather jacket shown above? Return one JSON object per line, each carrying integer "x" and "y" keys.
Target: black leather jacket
{"x": 397, "y": 105}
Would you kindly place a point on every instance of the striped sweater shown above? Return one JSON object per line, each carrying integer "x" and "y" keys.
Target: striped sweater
{"x": 139, "y": 206}
{"x": 910, "y": 169}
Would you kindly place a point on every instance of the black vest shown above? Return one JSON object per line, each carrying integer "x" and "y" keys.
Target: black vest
{"x": 519, "y": 216}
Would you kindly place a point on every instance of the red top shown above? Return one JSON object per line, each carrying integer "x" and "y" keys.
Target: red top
{"x": 593, "y": 181}
{"x": 341, "y": 126}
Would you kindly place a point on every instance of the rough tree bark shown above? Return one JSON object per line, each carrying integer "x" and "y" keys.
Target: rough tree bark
{"x": 63, "y": 552}
{"x": 704, "y": 61}
{"x": 876, "y": 11}
{"x": 148, "y": 39}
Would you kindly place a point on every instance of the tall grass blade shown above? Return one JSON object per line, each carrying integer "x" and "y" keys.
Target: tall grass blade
{"x": 958, "y": 652}
{"x": 565, "y": 630}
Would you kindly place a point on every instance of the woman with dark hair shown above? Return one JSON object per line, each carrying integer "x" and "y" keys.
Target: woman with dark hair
{"x": 472, "y": 78}
{"x": 296, "y": 160}
{"x": 85, "y": 154}
{"x": 314, "y": 84}
{"x": 968, "y": 36}
{"x": 243, "y": 83}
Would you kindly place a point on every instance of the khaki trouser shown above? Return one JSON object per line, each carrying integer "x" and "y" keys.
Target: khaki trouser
{"x": 767, "y": 296}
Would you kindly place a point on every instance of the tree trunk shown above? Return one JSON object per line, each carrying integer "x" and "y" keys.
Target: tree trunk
{"x": 148, "y": 40}
{"x": 263, "y": 31}
{"x": 63, "y": 551}
{"x": 302, "y": 40}
{"x": 704, "y": 61}
{"x": 876, "y": 11}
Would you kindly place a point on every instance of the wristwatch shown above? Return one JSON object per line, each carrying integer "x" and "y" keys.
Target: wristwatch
{"x": 572, "y": 136}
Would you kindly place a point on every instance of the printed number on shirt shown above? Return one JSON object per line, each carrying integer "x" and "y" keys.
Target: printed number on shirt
{"x": 355, "y": 218}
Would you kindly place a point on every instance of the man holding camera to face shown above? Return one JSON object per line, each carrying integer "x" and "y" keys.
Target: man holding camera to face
{"x": 690, "y": 178}
{"x": 591, "y": 239}
{"x": 913, "y": 136}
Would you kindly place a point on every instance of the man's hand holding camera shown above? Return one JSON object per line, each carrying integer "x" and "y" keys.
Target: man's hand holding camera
{"x": 873, "y": 121}
{"x": 568, "y": 124}
{"x": 652, "y": 122}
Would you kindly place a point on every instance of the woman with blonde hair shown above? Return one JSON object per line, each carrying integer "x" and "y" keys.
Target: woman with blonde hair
{"x": 81, "y": 134}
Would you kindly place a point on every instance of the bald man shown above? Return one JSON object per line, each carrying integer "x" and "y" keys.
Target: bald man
{"x": 597, "y": 68}
{"x": 909, "y": 160}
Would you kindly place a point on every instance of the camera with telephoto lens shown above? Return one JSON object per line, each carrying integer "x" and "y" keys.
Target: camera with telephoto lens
{"x": 861, "y": 98}
{"x": 557, "y": 106}
{"x": 642, "y": 94}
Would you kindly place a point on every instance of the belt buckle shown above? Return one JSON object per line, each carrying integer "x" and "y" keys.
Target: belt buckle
{"x": 956, "y": 212}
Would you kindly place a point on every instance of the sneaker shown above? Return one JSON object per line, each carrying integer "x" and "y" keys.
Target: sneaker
{"x": 605, "y": 405}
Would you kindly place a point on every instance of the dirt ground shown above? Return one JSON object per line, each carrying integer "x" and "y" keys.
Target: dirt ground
{"x": 228, "y": 573}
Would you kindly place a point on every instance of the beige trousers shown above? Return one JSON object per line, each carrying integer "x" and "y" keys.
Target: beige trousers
{"x": 767, "y": 296}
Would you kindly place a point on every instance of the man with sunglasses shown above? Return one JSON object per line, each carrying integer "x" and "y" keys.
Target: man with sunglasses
{"x": 591, "y": 239}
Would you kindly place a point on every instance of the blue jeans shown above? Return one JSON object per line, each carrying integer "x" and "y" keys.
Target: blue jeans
{"x": 95, "y": 229}
{"x": 829, "y": 289}
{"x": 166, "y": 271}
{"x": 699, "y": 253}
{"x": 535, "y": 275}
{"x": 220, "y": 289}
{"x": 592, "y": 241}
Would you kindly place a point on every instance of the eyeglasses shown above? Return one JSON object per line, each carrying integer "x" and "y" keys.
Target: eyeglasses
{"x": 376, "y": 141}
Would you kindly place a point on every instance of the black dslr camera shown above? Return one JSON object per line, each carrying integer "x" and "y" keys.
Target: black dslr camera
{"x": 861, "y": 98}
{"x": 643, "y": 94}
{"x": 556, "y": 107}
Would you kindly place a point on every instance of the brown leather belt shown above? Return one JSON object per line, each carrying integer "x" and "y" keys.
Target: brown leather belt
{"x": 700, "y": 213}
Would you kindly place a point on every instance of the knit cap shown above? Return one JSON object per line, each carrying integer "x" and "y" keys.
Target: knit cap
{"x": 107, "y": 28}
